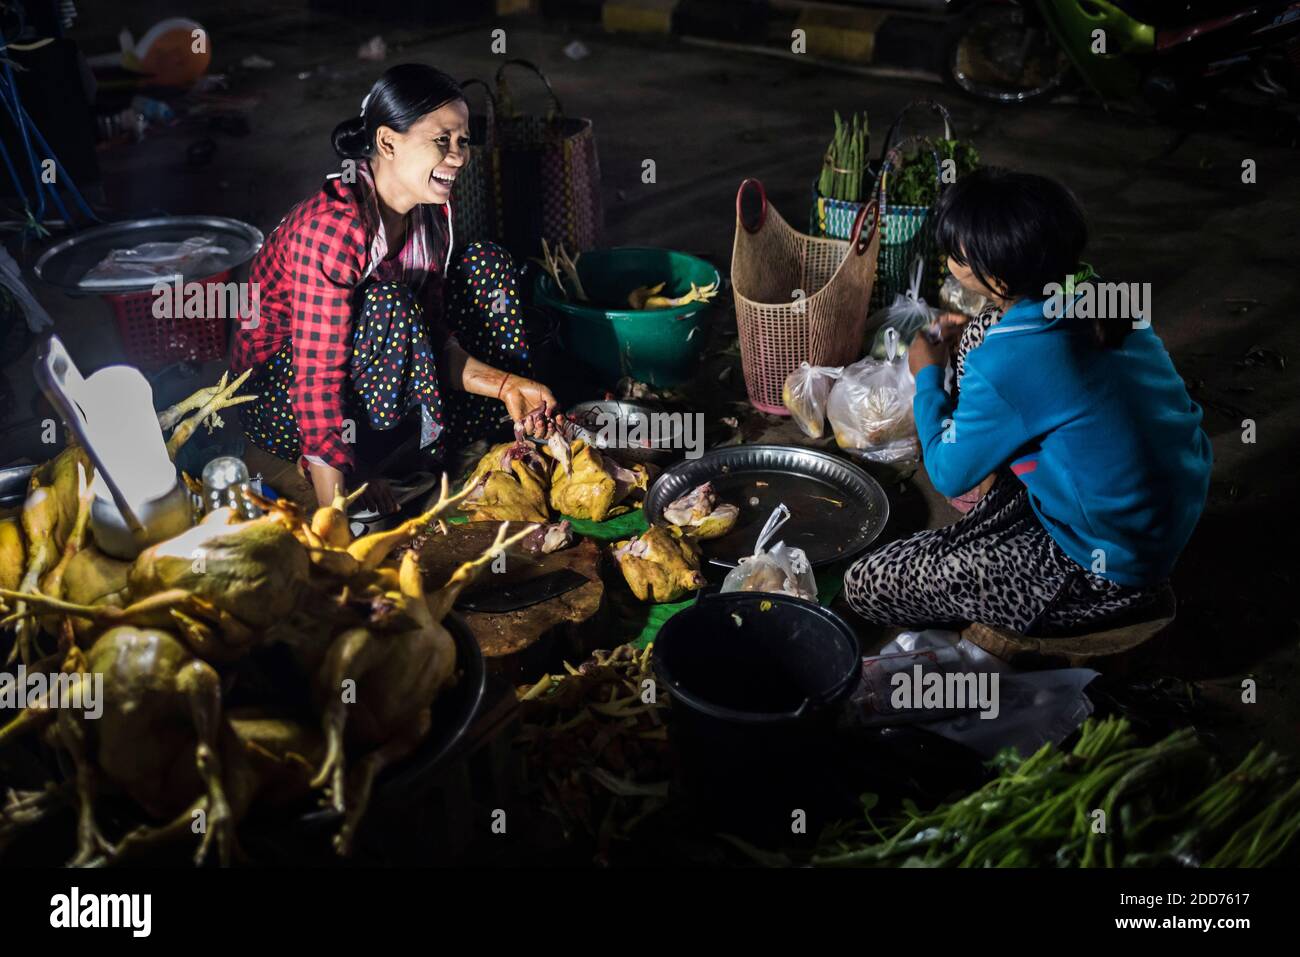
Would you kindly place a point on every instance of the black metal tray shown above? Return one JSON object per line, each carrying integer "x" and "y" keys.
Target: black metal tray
{"x": 836, "y": 509}
{"x": 66, "y": 263}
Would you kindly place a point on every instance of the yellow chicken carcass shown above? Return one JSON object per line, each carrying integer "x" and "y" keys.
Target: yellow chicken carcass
{"x": 587, "y": 484}
{"x": 659, "y": 566}
{"x": 13, "y": 553}
{"x": 586, "y": 488}
{"x": 508, "y": 485}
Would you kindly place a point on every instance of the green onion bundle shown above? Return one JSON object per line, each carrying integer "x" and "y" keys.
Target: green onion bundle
{"x": 844, "y": 169}
{"x": 1163, "y": 805}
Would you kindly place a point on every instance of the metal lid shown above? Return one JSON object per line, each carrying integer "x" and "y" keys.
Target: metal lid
{"x": 66, "y": 263}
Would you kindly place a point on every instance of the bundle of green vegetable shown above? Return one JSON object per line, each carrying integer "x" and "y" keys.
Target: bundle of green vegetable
{"x": 1167, "y": 804}
{"x": 844, "y": 170}
{"x": 914, "y": 182}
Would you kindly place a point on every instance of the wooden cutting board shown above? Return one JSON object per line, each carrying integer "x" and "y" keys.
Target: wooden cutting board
{"x": 523, "y": 645}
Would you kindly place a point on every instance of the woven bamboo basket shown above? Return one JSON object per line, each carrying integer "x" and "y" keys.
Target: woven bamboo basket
{"x": 798, "y": 297}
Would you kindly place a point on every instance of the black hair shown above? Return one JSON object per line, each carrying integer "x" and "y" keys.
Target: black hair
{"x": 1018, "y": 232}
{"x": 398, "y": 99}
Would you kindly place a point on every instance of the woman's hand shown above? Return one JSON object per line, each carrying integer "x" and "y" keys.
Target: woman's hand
{"x": 930, "y": 346}
{"x": 923, "y": 352}
{"x": 378, "y": 497}
{"x": 530, "y": 405}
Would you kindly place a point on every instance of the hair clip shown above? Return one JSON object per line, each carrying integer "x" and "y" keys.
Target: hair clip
{"x": 364, "y": 100}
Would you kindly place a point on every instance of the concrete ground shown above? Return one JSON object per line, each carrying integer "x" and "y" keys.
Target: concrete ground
{"x": 1219, "y": 253}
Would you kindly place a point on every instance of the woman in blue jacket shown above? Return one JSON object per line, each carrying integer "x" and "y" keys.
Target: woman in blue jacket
{"x": 1073, "y": 425}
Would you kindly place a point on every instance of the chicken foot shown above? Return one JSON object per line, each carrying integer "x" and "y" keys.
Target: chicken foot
{"x": 171, "y": 607}
{"x": 362, "y": 779}
{"x": 223, "y": 398}
{"x": 71, "y": 735}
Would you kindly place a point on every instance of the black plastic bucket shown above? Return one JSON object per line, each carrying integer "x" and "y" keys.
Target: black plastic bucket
{"x": 756, "y": 682}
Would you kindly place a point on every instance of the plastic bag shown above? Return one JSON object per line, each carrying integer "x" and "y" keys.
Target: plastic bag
{"x": 780, "y": 569}
{"x": 158, "y": 259}
{"x": 908, "y": 314}
{"x": 870, "y": 409}
{"x": 805, "y": 393}
{"x": 1032, "y": 708}
{"x": 955, "y": 297}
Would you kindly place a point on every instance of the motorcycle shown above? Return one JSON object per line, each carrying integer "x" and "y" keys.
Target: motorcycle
{"x": 1168, "y": 55}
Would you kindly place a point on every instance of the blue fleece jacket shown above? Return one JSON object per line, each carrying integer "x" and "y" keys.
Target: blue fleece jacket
{"x": 1107, "y": 441}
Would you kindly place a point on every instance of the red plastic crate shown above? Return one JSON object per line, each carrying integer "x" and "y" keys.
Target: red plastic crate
{"x": 151, "y": 342}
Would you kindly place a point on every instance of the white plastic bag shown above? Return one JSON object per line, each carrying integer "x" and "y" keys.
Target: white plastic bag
{"x": 870, "y": 408}
{"x": 908, "y": 314}
{"x": 1032, "y": 709}
{"x": 955, "y": 297}
{"x": 805, "y": 393}
{"x": 779, "y": 569}
{"x": 186, "y": 258}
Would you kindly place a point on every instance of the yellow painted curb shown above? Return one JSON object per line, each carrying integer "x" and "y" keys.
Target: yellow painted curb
{"x": 638, "y": 16}
{"x": 841, "y": 34}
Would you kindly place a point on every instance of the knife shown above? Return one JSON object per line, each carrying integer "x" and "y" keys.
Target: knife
{"x": 521, "y": 594}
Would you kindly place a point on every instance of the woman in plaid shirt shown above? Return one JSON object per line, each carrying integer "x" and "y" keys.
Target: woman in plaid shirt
{"x": 366, "y": 320}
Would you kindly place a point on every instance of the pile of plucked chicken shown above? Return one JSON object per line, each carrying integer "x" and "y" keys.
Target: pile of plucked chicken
{"x": 518, "y": 481}
{"x": 244, "y": 664}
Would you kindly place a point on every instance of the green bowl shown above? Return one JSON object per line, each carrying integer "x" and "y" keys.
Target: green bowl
{"x": 661, "y": 347}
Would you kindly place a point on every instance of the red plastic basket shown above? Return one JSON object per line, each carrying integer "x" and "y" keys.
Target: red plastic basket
{"x": 151, "y": 342}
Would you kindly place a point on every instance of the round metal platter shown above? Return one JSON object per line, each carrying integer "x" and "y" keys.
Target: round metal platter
{"x": 65, "y": 264}
{"x": 836, "y": 509}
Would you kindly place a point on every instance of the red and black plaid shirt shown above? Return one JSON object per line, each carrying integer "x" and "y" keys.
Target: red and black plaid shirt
{"x": 307, "y": 272}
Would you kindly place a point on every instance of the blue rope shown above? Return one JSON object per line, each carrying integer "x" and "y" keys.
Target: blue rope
{"x": 27, "y": 129}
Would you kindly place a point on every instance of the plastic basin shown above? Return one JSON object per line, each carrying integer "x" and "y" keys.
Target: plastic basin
{"x": 659, "y": 346}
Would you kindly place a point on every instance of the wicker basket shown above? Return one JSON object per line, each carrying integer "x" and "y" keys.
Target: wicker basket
{"x": 908, "y": 231}
{"x": 798, "y": 298}
{"x": 474, "y": 197}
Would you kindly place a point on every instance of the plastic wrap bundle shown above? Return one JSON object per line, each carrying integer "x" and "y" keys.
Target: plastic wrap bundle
{"x": 151, "y": 260}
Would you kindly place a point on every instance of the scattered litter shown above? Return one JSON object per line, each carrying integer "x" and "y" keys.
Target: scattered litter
{"x": 1258, "y": 356}
{"x": 629, "y": 388}
{"x": 374, "y": 49}
{"x": 156, "y": 112}
{"x": 211, "y": 82}
{"x": 255, "y": 62}
{"x": 577, "y": 50}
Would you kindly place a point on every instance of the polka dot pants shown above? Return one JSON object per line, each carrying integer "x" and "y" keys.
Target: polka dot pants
{"x": 393, "y": 372}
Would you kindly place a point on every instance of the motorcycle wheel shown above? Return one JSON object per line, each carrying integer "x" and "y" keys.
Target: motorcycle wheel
{"x": 998, "y": 51}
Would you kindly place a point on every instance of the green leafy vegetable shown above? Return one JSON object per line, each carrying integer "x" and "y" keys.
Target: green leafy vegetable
{"x": 1106, "y": 803}
{"x": 914, "y": 183}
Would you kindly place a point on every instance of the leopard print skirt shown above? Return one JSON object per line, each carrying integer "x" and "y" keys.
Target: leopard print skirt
{"x": 998, "y": 566}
